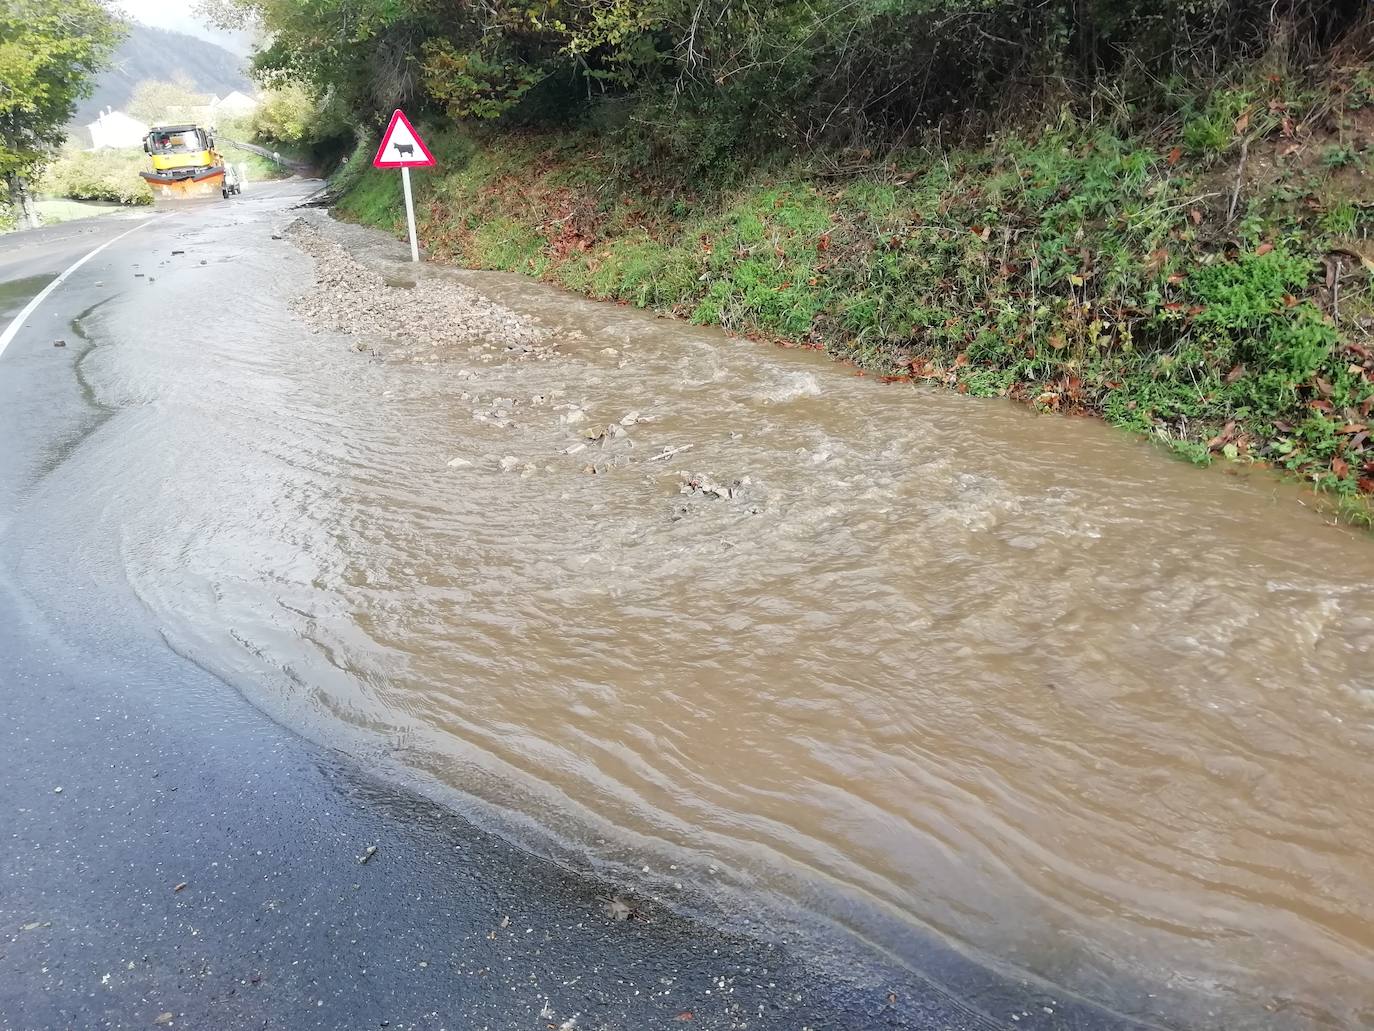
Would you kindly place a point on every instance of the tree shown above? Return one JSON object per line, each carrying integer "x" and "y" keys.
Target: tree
{"x": 286, "y": 114}
{"x": 160, "y": 102}
{"x": 49, "y": 53}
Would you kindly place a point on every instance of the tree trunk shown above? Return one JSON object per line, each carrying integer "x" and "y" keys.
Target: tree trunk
{"x": 22, "y": 201}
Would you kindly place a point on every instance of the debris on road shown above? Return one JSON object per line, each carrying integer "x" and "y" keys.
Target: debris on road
{"x": 349, "y": 297}
{"x": 619, "y": 910}
{"x": 368, "y": 853}
{"x": 696, "y": 483}
{"x": 671, "y": 451}
{"x": 180, "y": 886}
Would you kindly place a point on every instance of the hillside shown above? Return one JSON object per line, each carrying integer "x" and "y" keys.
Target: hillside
{"x": 149, "y": 53}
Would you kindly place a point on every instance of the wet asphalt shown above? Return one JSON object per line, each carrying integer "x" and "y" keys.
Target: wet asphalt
{"x": 170, "y": 857}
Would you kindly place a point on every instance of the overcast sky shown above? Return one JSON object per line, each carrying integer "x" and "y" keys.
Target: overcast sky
{"x": 182, "y": 18}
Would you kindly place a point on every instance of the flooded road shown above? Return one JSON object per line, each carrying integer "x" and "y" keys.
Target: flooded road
{"x": 900, "y": 661}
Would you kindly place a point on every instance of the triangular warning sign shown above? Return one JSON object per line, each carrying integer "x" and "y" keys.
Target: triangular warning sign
{"x": 402, "y": 147}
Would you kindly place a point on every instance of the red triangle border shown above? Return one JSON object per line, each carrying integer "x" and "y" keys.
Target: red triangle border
{"x": 380, "y": 162}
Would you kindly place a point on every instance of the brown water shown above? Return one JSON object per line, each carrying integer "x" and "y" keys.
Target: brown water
{"x": 939, "y": 664}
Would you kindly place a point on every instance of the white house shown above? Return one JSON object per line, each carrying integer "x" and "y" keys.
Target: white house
{"x": 116, "y": 129}
{"x": 234, "y": 105}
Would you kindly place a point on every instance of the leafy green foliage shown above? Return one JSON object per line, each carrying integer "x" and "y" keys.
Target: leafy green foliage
{"x": 683, "y": 76}
{"x": 48, "y": 55}
{"x": 158, "y": 102}
{"x": 101, "y": 175}
{"x": 286, "y": 114}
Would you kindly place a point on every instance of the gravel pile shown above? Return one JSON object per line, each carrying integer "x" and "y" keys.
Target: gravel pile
{"x": 405, "y": 321}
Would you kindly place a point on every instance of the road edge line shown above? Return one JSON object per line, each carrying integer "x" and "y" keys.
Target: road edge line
{"x": 12, "y": 330}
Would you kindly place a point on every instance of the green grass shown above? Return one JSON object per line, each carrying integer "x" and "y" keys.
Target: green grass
{"x": 51, "y": 212}
{"x": 1078, "y": 267}
{"x": 254, "y": 167}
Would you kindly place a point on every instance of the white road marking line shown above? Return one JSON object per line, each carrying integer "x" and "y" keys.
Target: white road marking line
{"x": 12, "y": 330}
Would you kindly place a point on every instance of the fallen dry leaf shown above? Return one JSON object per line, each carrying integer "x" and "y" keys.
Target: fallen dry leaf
{"x": 685, "y": 1016}
{"x": 1174, "y": 155}
{"x": 1264, "y": 248}
{"x": 180, "y": 886}
{"x": 164, "y": 1018}
{"x": 1340, "y": 468}
{"x": 1236, "y": 373}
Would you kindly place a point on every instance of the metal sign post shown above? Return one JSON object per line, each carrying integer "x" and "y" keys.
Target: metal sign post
{"x": 402, "y": 139}
{"x": 410, "y": 213}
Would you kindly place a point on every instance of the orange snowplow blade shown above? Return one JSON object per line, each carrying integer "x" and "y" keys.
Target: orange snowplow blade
{"x": 209, "y": 183}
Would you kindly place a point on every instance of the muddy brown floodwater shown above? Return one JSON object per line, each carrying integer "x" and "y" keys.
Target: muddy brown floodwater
{"x": 901, "y": 661}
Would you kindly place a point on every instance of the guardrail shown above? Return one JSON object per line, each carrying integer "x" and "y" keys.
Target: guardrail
{"x": 297, "y": 167}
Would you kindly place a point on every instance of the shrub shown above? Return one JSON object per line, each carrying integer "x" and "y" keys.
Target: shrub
{"x": 102, "y": 175}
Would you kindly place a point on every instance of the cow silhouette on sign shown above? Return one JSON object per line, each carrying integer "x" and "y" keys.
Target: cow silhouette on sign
{"x": 404, "y": 148}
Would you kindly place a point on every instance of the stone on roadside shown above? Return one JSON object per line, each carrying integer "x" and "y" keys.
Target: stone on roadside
{"x": 508, "y": 463}
{"x": 458, "y": 463}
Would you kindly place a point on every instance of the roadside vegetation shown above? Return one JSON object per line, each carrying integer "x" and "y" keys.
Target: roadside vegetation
{"x": 1153, "y": 212}
{"x": 48, "y": 56}
{"x": 97, "y": 175}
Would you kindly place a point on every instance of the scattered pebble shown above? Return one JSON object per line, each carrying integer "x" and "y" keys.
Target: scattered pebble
{"x": 434, "y": 313}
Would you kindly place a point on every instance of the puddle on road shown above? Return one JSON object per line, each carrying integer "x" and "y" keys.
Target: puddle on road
{"x": 16, "y": 293}
{"x": 921, "y": 661}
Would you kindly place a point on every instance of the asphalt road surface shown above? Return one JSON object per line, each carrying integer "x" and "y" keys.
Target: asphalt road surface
{"x": 170, "y": 857}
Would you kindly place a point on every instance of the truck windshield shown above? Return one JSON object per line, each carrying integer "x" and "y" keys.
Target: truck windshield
{"x": 177, "y": 142}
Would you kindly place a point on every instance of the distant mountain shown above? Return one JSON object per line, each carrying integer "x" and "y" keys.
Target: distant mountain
{"x": 149, "y": 53}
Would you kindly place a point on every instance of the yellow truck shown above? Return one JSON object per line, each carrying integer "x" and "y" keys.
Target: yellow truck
{"x": 185, "y": 164}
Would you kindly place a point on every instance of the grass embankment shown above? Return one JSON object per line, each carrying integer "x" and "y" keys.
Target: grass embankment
{"x": 1207, "y": 282}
